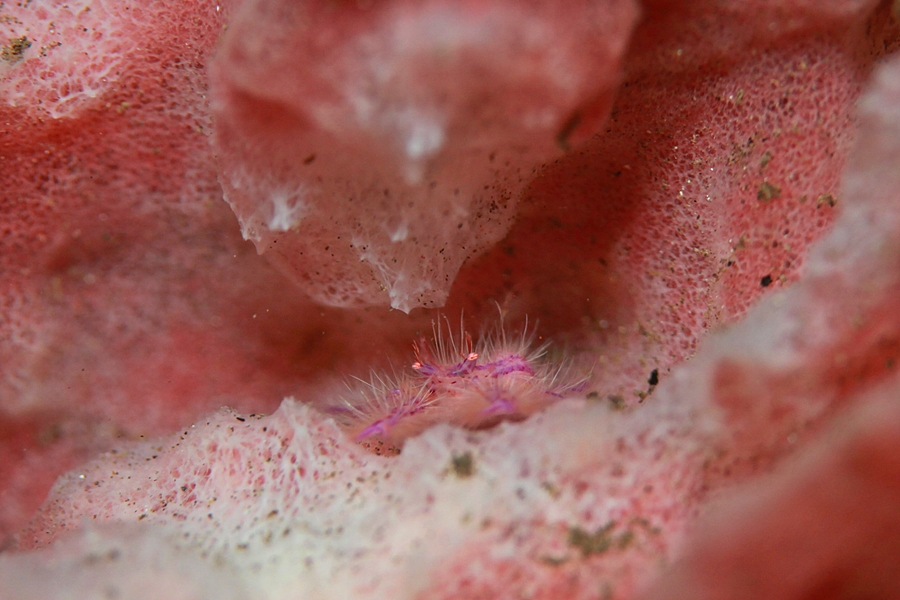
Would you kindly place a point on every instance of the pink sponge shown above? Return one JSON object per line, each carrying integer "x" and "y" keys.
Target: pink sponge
{"x": 370, "y": 152}
{"x": 130, "y": 304}
{"x": 82, "y": 47}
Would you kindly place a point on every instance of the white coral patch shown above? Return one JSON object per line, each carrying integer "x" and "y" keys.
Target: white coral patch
{"x": 287, "y": 210}
{"x": 400, "y": 233}
{"x": 424, "y": 139}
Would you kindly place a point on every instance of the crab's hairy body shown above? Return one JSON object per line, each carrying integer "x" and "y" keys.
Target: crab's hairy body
{"x": 501, "y": 378}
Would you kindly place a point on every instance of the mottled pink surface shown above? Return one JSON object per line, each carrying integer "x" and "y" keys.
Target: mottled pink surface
{"x": 825, "y": 525}
{"x": 131, "y": 307}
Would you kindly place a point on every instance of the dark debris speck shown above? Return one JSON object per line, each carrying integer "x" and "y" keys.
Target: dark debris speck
{"x": 768, "y": 192}
{"x": 591, "y": 543}
{"x": 12, "y": 52}
{"x": 618, "y": 402}
{"x": 463, "y": 464}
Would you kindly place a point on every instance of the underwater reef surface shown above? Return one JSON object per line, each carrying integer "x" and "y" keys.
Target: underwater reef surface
{"x": 432, "y": 299}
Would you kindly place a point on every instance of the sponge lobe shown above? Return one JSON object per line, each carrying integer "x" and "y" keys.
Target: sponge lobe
{"x": 371, "y": 152}
{"x": 293, "y": 509}
{"x": 715, "y": 172}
